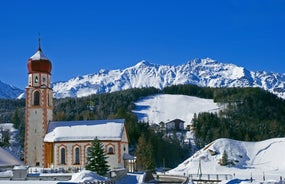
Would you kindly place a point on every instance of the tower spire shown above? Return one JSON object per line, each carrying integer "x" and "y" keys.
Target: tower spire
{"x": 39, "y": 41}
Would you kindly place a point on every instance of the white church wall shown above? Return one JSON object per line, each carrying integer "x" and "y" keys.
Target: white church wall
{"x": 115, "y": 159}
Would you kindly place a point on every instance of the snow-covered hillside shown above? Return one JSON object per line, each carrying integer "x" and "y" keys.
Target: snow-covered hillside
{"x": 264, "y": 158}
{"x": 12, "y": 154}
{"x": 201, "y": 72}
{"x": 157, "y": 108}
{"x": 6, "y": 158}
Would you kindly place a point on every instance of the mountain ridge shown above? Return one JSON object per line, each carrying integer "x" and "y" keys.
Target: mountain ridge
{"x": 9, "y": 91}
{"x": 202, "y": 72}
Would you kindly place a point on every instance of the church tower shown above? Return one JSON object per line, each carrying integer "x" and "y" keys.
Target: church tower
{"x": 39, "y": 108}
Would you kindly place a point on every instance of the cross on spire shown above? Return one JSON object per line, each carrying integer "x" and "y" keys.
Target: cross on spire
{"x": 39, "y": 41}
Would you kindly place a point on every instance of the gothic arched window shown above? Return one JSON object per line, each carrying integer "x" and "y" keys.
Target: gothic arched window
{"x": 62, "y": 156}
{"x": 77, "y": 156}
{"x": 110, "y": 150}
{"x": 36, "y": 98}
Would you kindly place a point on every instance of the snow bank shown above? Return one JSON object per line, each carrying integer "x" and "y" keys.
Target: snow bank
{"x": 87, "y": 176}
{"x": 6, "y": 174}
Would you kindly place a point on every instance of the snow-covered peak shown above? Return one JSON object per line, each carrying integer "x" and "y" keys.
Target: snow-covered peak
{"x": 202, "y": 72}
{"x": 143, "y": 64}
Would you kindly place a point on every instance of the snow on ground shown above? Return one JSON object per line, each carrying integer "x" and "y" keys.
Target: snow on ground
{"x": 165, "y": 107}
{"x": 264, "y": 159}
{"x": 27, "y": 182}
{"x": 87, "y": 176}
{"x": 84, "y": 176}
{"x": 131, "y": 178}
{"x": 6, "y": 158}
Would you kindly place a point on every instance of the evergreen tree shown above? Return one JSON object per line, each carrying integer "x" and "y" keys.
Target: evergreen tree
{"x": 224, "y": 159}
{"x": 5, "y": 138}
{"x": 18, "y": 121}
{"x": 15, "y": 119}
{"x": 144, "y": 154}
{"x": 96, "y": 160}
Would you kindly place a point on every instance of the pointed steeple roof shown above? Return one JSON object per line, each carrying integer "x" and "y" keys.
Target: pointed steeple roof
{"x": 39, "y": 62}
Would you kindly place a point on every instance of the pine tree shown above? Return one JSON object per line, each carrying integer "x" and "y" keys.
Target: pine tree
{"x": 15, "y": 119}
{"x": 224, "y": 159}
{"x": 144, "y": 154}
{"x": 96, "y": 160}
{"x": 5, "y": 138}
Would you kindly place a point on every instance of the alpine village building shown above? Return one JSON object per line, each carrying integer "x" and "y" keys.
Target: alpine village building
{"x": 64, "y": 144}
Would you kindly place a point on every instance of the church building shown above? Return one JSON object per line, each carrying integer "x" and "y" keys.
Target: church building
{"x": 64, "y": 144}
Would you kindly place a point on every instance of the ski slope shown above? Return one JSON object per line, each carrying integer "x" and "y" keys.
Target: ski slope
{"x": 166, "y": 107}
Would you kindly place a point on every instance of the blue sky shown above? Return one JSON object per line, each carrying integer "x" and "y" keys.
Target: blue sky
{"x": 83, "y": 36}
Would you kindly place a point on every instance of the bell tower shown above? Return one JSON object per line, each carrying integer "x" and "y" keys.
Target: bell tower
{"x": 39, "y": 108}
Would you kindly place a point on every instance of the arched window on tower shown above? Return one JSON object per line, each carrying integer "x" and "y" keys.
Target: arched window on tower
{"x": 36, "y": 79}
{"x": 62, "y": 156}
{"x": 77, "y": 156}
{"x": 36, "y": 98}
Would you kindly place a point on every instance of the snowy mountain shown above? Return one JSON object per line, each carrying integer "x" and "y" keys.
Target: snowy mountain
{"x": 9, "y": 91}
{"x": 256, "y": 159}
{"x": 201, "y": 72}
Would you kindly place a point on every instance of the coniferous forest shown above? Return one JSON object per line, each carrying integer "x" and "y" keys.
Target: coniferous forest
{"x": 248, "y": 114}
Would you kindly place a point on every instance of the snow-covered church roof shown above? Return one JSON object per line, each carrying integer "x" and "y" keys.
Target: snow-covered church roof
{"x": 85, "y": 130}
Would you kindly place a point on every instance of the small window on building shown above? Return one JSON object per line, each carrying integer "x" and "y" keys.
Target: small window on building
{"x": 62, "y": 156}
{"x": 36, "y": 98}
{"x": 110, "y": 150}
{"x": 36, "y": 79}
